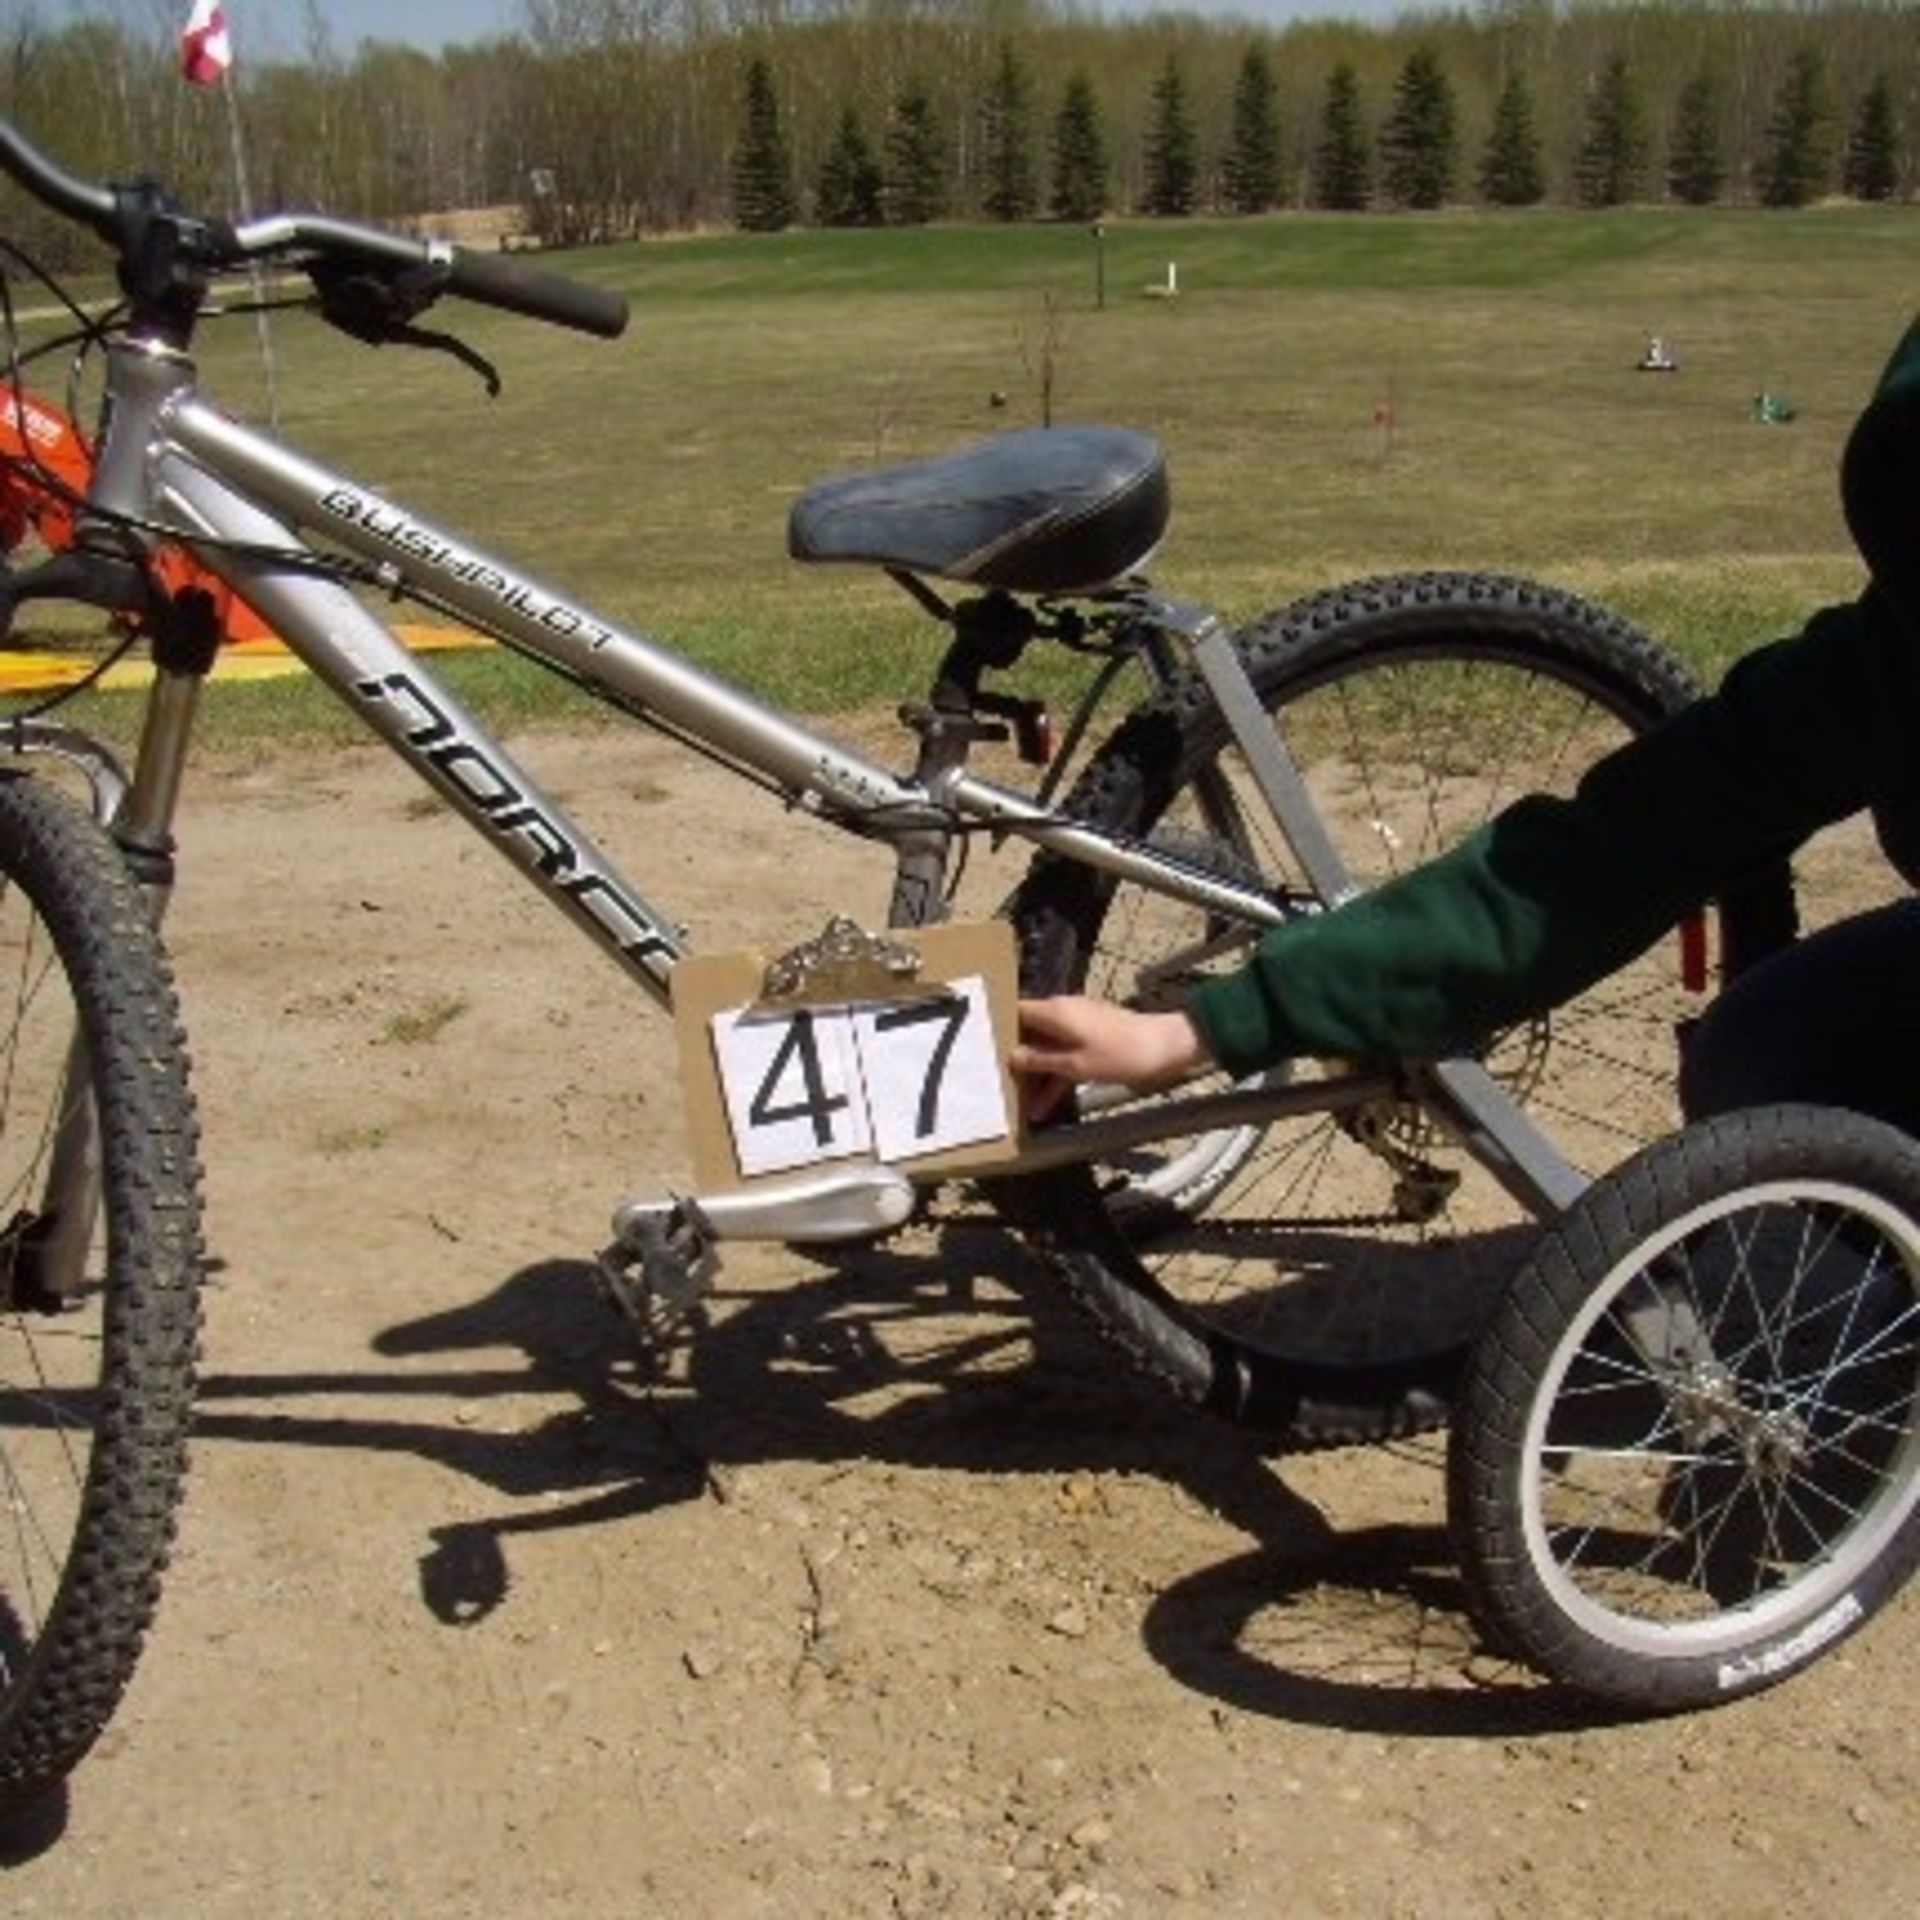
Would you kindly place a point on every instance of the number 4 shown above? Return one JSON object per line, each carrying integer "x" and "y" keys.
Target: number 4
{"x": 816, "y": 1104}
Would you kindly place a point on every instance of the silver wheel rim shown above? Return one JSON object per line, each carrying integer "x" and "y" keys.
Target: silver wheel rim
{"x": 1812, "y": 1596}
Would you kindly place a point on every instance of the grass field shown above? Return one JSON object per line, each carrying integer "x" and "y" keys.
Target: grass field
{"x": 652, "y": 475}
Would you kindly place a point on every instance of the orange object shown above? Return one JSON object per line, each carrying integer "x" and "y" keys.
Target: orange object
{"x": 45, "y": 464}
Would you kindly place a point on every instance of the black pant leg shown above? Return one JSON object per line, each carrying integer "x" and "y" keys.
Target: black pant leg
{"x": 1833, "y": 1019}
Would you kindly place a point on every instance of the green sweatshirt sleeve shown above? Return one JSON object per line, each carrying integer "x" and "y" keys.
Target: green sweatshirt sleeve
{"x": 1555, "y": 893}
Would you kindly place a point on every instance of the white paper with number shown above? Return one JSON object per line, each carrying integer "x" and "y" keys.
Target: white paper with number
{"x": 791, "y": 1082}
{"x": 932, "y": 1072}
{"x": 898, "y": 1078}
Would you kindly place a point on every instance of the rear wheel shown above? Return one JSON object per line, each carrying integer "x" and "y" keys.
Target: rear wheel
{"x": 1320, "y": 1277}
{"x": 99, "y": 1303}
{"x": 1687, "y": 1459}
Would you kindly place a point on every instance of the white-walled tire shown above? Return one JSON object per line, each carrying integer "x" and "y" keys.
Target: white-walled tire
{"x": 1686, "y": 1457}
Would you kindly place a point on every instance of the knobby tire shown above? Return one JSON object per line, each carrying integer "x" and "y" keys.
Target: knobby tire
{"x": 96, "y": 1394}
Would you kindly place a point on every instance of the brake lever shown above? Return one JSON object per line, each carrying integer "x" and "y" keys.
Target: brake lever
{"x": 469, "y": 357}
{"x": 379, "y": 307}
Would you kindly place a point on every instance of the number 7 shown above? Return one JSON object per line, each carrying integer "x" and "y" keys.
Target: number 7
{"x": 952, "y": 1012}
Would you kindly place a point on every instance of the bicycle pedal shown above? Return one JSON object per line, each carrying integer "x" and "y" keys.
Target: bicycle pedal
{"x": 660, "y": 1269}
{"x": 669, "y": 1247}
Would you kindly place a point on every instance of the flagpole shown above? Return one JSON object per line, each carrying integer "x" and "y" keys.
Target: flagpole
{"x": 243, "y": 195}
{"x": 206, "y": 57}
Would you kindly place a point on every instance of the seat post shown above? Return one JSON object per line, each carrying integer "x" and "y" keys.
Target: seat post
{"x": 990, "y": 633}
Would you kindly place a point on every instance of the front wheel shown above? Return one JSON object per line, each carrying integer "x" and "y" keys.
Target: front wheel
{"x": 1319, "y": 1278}
{"x": 1687, "y": 1455}
{"x": 99, "y": 1280}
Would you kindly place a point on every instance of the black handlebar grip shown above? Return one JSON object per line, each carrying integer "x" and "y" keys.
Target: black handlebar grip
{"x": 500, "y": 282}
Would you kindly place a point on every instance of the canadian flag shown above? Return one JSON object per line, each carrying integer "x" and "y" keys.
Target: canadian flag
{"x": 206, "y": 48}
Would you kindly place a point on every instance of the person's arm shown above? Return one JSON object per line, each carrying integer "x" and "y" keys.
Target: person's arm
{"x": 1072, "y": 1039}
{"x": 1554, "y": 894}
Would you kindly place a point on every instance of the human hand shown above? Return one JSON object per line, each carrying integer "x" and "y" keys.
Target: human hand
{"x": 1073, "y": 1038}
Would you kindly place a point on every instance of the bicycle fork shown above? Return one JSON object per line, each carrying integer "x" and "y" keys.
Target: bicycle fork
{"x": 50, "y": 1269}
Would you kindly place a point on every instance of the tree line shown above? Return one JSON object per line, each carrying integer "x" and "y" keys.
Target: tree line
{"x": 607, "y": 119}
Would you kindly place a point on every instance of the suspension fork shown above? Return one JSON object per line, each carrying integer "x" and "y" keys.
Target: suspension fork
{"x": 54, "y": 1246}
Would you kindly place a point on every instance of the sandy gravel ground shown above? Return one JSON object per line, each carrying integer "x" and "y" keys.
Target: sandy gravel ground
{"x": 893, "y": 1595}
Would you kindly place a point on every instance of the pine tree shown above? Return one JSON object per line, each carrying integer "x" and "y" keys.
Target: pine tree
{"x": 1079, "y": 153}
{"x": 1173, "y": 165}
{"x": 1798, "y": 160}
{"x": 1510, "y": 171}
{"x": 916, "y": 160}
{"x": 1419, "y": 145}
{"x": 1696, "y": 169}
{"x": 1007, "y": 142}
{"x": 1250, "y": 173}
{"x": 1873, "y": 145}
{"x": 849, "y": 191}
{"x": 1342, "y": 162}
{"x": 762, "y": 164}
{"x": 1611, "y": 164}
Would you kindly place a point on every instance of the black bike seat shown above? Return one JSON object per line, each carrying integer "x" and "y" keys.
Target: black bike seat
{"x": 1045, "y": 510}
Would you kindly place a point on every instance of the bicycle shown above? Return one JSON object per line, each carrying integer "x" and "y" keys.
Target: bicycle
{"x": 1228, "y": 1236}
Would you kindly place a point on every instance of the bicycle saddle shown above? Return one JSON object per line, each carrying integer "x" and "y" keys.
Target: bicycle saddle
{"x": 1045, "y": 510}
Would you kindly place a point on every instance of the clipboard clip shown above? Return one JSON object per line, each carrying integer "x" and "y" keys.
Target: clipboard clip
{"x": 842, "y": 962}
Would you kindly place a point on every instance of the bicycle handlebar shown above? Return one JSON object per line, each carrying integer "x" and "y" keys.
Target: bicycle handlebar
{"x": 93, "y": 206}
{"x": 484, "y": 278}
{"x": 511, "y": 285}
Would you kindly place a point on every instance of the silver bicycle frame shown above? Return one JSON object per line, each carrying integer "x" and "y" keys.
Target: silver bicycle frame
{"x": 227, "y": 488}
{"x": 247, "y": 506}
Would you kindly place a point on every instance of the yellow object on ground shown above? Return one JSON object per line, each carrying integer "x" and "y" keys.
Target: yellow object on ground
{"x": 239, "y": 660}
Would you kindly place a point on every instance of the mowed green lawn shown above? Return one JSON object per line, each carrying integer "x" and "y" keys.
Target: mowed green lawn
{"x": 1338, "y": 396}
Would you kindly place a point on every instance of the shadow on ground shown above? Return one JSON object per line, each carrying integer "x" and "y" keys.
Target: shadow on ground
{"x": 951, "y": 1352}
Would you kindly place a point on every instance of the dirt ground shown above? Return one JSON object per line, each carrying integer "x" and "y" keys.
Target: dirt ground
{"x": 895, "y": 1596}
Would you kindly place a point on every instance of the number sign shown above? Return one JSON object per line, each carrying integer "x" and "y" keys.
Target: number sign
{"x": 898, "y": 1079}
{"x": 919, "y": 1077}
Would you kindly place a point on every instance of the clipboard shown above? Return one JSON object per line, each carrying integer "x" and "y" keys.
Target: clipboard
{"x": 815, "y": 1035}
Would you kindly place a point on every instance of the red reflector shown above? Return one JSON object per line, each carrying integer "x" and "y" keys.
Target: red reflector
{"x": 1693, "y": 953}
